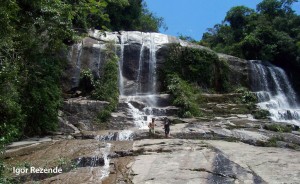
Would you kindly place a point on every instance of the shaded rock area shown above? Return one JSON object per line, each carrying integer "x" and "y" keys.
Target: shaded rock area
{"x": 239, "y": 70}
{"x": 80, "y": 114}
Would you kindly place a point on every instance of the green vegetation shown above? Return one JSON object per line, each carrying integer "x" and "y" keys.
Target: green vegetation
{"x": 188, "y": 71}
{"x": 184, "y": 96}
{"x": 272, "y": 142}
{"x": 270, "y": 33}
{"x": 199, "y": 66}
{"x": 132, "y": 15}
{"x": 34, "y": 38}
{"x": 106, "y": 88}
{"x": 247, "y": 96}
{"x": 261, "y": 114}
{"x": 278, "y": 127}
{"x": 87, "y": 82}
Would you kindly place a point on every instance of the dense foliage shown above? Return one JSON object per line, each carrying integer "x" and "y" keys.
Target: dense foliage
{"x": 188, "y": 71}
{"x": 272, "y": 33}
{"x": 106, "y": 88}
{"x": 133, "y": 15}
{"x": 198, "y": 66}
{"x": 34, "y": 37}
{"x": 184, "y": 96}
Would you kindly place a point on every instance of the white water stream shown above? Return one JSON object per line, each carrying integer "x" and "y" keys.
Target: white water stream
{"x": 275, "y": 93}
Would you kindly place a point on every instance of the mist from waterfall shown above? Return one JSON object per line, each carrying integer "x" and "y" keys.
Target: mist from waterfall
{"x": 274, "y": 92}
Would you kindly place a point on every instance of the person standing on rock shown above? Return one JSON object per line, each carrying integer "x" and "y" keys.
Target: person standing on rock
{"x": 167, "y": 127}
{"x": 152, "y": 127}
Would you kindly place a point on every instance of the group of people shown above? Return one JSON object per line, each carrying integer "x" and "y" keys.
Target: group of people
{"x": 152, "y": 125}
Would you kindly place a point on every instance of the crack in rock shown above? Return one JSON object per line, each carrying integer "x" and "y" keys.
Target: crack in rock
{"x": 214, "y": 173}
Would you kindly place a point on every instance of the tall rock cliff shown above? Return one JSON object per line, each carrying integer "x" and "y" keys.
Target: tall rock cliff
{"x": 141, "y": 56}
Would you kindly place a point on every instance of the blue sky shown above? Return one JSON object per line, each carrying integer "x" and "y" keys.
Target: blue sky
{"x": 193, "y": 17}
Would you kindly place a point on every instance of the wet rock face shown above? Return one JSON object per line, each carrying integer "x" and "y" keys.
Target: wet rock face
{"x": 239, "y": 70}
{"x": 81, "y": 113}
{"x": 131, "y": 61}
{"x": 85, "y": 55}
{"x": 141, "y": 56}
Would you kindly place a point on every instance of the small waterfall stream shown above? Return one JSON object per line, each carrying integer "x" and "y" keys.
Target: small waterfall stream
{"x": 274, "y": 92}
{"x": 152, "y": 66}
{"x": 121, "y": 61}
{"x": 105, "y": 152}
{"x": 139, "y": 79}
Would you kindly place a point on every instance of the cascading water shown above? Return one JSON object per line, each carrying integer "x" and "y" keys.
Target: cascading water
{"x": 121, "y": 61}
{"x": 274, "y": 92}
{"x": 152, "y": 66}
{"x": 99, "y": 61}
{"x": 123, "y": 135}
{"x": 145, "y": 81}
{"x": 76, "y": 52}
{"x": 139, "y": 80}
{"x": 140, "y": 118}
{"x": 105, "y": 152}
{"x": 100, "y": 158}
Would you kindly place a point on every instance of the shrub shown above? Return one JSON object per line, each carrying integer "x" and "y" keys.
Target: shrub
{"x": 104, "y": 115}
{"x": 261, "y": 114}
{"x": 247, "y": 96}
{"x": 184, "y": 96}
{"x": 278, "y": 127}
{"x": 87, "y": 82}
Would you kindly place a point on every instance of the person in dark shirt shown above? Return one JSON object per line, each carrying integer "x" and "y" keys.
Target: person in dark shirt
{"x": 167, "y": 127}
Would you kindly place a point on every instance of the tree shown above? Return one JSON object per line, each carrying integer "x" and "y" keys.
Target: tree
{"x": 238, "y": 18}
{"x": 271, "y": 33}
{"x": 274, "y": 8}
{"x": 133, "y": 16}
{"x": 34, "y": 36}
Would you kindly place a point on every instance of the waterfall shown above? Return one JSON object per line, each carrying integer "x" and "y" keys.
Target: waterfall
{"x": 124, "y": 135}
{"x": 140, "y": 118}
{"x": 121, "y": 61}
{"x": 93, "y": 163}
{"x": 140, "y": 88}
{"x": 274, "y": 92}
{"x": 99, "y": 62}
{"x": 79, "y": 52}
{"x": 139, "y": 80}
{"x": 76, "y": 74}
{"x": 152, "y": 66}
{"x": 105, "y": 152}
